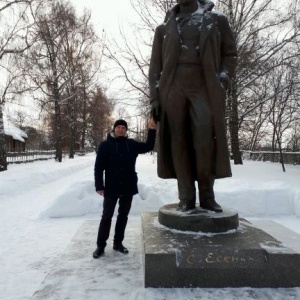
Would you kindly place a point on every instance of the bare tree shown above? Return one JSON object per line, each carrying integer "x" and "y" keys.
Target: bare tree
{"x": 82, "y": 64}
{"x": 129, "y": 59}
{"x": 263, "y": 31}
{"x": 293, "y": 139}
{"x": 15, "y": 38}
{"x": 99, "y": 116}
{"x": 284, "y": 106}
{"x": 254, "y": 128}
{"x": 62, "y": 65}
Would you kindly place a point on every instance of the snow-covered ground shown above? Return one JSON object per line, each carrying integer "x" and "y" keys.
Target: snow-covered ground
{"x": 43, "y": 205}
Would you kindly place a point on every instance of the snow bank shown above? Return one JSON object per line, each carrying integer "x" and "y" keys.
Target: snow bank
{"x": 249, "y": 197}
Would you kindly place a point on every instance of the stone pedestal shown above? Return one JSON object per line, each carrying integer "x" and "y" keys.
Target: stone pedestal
{"x": 198, "y": 219}
{"x": 242, "y": 257}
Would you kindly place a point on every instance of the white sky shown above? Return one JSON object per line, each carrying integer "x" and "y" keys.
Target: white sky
{"x": 44, "y": 204}
{"x": 111, "y": 15}
{"x": 106, "y": 13}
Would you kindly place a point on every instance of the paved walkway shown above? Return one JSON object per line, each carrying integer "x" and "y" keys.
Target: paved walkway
{"x": 116, "y": 276}
{"x": 78, "y": 276}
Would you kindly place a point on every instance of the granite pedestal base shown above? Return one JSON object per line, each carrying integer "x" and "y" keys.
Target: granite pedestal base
{"x": 245, "y": 257}
{"x": 198, "y": 219}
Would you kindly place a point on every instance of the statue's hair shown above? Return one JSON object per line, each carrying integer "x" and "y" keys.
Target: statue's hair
{"x": 207, "y": 3}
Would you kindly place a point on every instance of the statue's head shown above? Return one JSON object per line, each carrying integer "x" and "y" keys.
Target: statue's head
{"x": 185, "y": 2}
{"x": 205, "y": 3}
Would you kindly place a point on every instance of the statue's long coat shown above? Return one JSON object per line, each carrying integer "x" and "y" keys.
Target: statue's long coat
{"x": 218, "y": 54}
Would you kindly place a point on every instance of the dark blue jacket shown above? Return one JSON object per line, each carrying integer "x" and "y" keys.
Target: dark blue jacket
{"x": 117, "y": 157}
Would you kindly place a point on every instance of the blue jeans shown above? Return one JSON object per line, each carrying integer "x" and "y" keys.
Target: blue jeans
{"x": 109, "y": 205}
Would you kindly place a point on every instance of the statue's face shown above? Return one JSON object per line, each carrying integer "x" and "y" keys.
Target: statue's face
{"x": 186, "y": 2}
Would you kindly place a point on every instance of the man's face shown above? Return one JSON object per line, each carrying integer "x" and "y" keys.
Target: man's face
{"x": 186, "y": 2}
{"x": 120, "y": 130}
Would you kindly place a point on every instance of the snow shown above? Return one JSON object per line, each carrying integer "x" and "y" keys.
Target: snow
{"x": 43, "y": 204}
{"x": 11, "y": 130}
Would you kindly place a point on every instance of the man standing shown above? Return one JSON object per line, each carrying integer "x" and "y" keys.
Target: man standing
{"x": 117, "y": 157}
{"x": 193, "y": 59}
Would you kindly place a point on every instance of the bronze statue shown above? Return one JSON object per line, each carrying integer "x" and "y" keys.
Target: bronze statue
{"x": 193, "y": 59}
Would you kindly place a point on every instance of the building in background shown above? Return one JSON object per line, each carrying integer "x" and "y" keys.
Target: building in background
{"x": 15, "y": 138}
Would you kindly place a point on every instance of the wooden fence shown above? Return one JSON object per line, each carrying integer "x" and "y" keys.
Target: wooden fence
{"x": 30, "y": 156}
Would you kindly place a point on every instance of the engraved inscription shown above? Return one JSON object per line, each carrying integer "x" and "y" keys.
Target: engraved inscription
{"x": 211, "y": 258}
{"x": 223, "y": 259}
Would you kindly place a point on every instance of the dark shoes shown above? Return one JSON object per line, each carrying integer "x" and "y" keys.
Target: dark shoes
{"x": 211, "y": 205}
{"x": 120, "y": 248}
{"x": 185, "y": 206}
{"x": 98, "y": 252}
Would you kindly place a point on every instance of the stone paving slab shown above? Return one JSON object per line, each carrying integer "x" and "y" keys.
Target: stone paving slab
{"x": 77, "y": 275}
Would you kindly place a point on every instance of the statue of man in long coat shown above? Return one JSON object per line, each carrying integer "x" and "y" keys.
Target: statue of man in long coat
{"x": 193, "y": 59}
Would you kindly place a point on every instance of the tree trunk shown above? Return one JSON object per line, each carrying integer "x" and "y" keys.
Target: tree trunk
{"x": 234, "y": 124}
{"x": 58, "y": 133}
{"x": 3, "y": 161}
{"x": 72, "y": 143}
{"x": 274, "y": 139}
{"x": 58, "y": 136}
{"x": 72, "y": 132}
{"x": 281, "y": 154}
{"x": 84, "y": 125}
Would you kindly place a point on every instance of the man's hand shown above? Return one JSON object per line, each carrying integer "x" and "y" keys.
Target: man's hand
{"x": 155, "y": 110}
{"x": 152, "y": 124}
{"x": 101, "y": 192}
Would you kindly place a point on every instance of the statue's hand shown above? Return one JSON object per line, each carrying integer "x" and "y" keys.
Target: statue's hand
{"x": 224, "y": 80}
{"x": 224, "y": 85}
{"x": 155, "y": 110}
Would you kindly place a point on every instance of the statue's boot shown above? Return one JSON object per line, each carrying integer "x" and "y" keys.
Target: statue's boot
{"x": 186, "y": 205}
{"x": 187, "y": 196}
{"x": 207, "y": 196}
{"x": 211, "y": 204}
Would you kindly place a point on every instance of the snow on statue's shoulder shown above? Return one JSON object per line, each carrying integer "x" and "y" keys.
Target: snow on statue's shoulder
{"x": 218, "y": 13}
